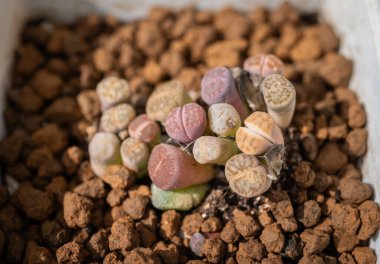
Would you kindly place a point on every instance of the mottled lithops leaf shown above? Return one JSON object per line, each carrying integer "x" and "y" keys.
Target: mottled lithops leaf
{"x": 246, "y": 176}
{"x": 262, "y": 65}
{"x": 171, "y": 168}
{"x": 144, "y": 128}
{"x": 186, "y": 123}
{"x": 112, "y": 91}
{"x": 104, "y": 150}
{"x": 214, "y": 150}
{"x": 280, "y": 98}
{"x": 274, "y": 159}
{"x": 249, "y": 89}
{"x": 117, "y": 118}
{"x": 181, "y": 199}
{"x": 224, "y": 120}
{"x": 165, "y": 98}
{"x": 134, "y": 155}
{"x": 218, "y": 86}
{"x": 259, "y": 134}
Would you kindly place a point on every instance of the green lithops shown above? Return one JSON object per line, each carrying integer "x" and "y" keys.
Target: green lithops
{"x": 214, "y": 150}
{"x": 224, "y": 120}
{"x": 181, "y": 199}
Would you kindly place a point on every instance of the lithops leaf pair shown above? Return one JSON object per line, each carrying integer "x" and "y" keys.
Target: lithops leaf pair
{"x": 181, "y": 199}
{"x": 218, "y": 86}
{"x": 165, "y": 98}
{"x": 280, "y": 98}
{"x": 171, "y": 168}
{"x": 117, "y": 118}
{"x": 112, "y": 91}
{"x": 104, "y": 150}
{"x": 246, "y": 176}
{"x": 263, "y": 65}
{"x": 214, "y": 150}
{"x": 144, "y": 129}
{"x": 186, "y": 123}
{"x": 259, "y": 134}
{"x": 224, "y": 120}
{"x": 135, "y": 155}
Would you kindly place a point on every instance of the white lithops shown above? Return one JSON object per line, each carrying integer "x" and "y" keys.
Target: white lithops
{"x": 224, "y": 120}
{"x": 214, "y": 150}
{"x": 280, "y": 98}
{"x": 246, "y": 176}
{"x": 135, "y": 155}
{"x": 117, "y": 118}
{"x": 112, "y": 91}
{"x": 104, "y": 150}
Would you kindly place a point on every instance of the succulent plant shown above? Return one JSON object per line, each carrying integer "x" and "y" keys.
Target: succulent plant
{"x": 145, "y": 129}
{"x": 112, "y": 91}
{"x": 224, "y": 120}
{"x": 117, "y": 118}
{"x": 135, "y": 155}
{"x": 186, "y": 123}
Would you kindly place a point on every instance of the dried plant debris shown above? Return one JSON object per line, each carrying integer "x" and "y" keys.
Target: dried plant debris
{"x": 68, "y": 82}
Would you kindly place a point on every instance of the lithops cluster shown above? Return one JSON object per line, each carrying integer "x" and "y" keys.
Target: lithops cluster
{"x": 180, "y": 144}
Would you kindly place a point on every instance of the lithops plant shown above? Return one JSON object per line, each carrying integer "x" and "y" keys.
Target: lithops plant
{"x": 145, "y": 129}
{"x": 218, "y": 86}
{"x": 259, "y": 134}
{"x": 165, "y": 98}
{"x": 181, "y": 199}
{"x": 186, "y": 123}
{"x": 112, "y": 91}
{"x": 280, "y": 98}
{"x": 246, "y": 176}
{"x": 224, "y": 120}
{"x": 135, "y": 155}
{"x": 117, "y": 118}
{"x": 214, "y": 150}
{"x": 263, "y": 65}
{"x": 171, "y": 168}
{"x": 104, "y": 150}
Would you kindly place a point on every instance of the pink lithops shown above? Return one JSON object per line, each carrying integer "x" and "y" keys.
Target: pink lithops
{"x": 218, "y": 86}
{"x": 246, "y": 176}
{"x": 259, "y": 134}
{"x": 171, "y": 168}
{"x": 144, "y": 128}
{"x": 186, "y": 123}
{"x": 263, "y": 65}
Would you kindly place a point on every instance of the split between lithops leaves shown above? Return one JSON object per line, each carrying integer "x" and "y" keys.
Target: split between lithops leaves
{"x": 104, "y": 150}
{"x": 186, "y": 123}
{"x": 135, "y": 155}
{"x": 181, "y": 199}
{"x": 218, "y": 86}
{"x": 145, "y": 129}
{"x": 214, "y": 150}
{"x": 280, "y": 98}
{"x": 224, "y": 120}
{"x": 165, "y": 98}
{"x": 117, "y": 118}
{"x": 246, "y": 176}
{"x": 263, "y": 65}
{"x": 112, "y": 91}
{"x": 259, "y": 134}
{"x": 171, "y": 168}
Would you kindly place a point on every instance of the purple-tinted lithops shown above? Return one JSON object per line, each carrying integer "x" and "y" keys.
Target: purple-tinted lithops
{"x": 224, "y": 120}
{"x": 145, "y": 129}
{"x": 165, "y": 98}
{"x": 117, "y": 118}
{"x": 259, "y": 134}
{"x": 186, "y": 123}
{"x": 280, "y": 98}
{"x": 263, "y": 65}
{"x": 218, "y": 86}
{"x": 112, "y": 91}
{"x": 246, "y": 176}
{"x": 171, "y": 168}
{"x": 134, "y": 155}
{"x": 214, "y": 150}
{"x": 104, "y": 150}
